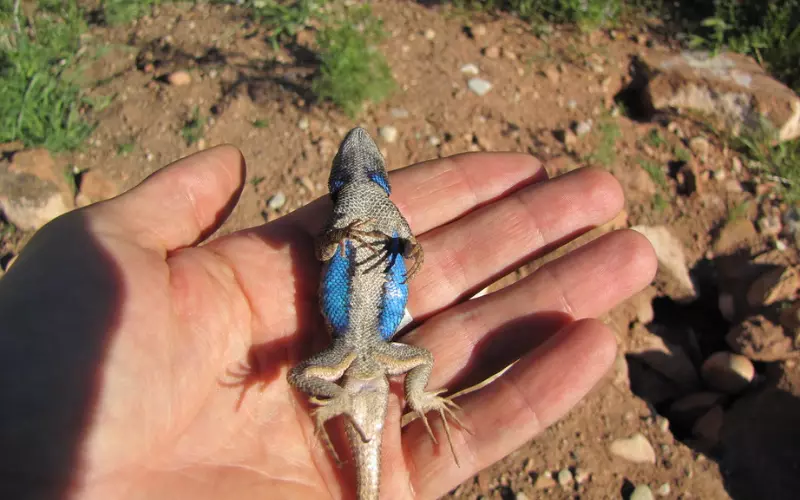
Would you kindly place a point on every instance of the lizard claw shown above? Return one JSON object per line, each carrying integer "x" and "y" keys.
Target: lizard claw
{"x": 329, "y": 408}
{"x": 432, "y": 401}
{"x": 414, "y": 252}
{"x": 336, "y": 239}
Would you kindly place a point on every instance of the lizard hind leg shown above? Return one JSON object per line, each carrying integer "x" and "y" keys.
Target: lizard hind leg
{"x": 424, "y": 402}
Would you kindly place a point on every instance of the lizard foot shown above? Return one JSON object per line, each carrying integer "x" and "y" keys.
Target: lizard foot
{"x": 335, "y": 239}
{"x": 413, "y": 251}
{"x": 432, "y": 401}
{"x": 327, "y": 409}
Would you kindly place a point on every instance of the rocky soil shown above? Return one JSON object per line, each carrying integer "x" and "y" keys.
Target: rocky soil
{"x": 704, "y": 399}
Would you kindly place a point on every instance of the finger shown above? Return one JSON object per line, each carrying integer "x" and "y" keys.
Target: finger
{"x": 481, "y": 336}
{"x": 536, "y": 392}
{"x": 472, "y": 252}
{"x": 435, "y": 192}
{"x": 178, "y": 205}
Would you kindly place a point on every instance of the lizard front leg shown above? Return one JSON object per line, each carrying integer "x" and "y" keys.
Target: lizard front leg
{"x": 317, "y": 377}
{"x": 417, "y": 364}
{"x": 332, "y": 239}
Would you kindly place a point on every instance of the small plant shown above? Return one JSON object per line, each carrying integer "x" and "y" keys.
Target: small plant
{"x": 654, "y": 138}
{"x": 124, "y": 11}
{"x": 192, "y": 130}
{"x": 682, "y": 154}
{"x": 738, "y": 211}
{"x": 352, "y": 69}
{"x": 655, "y": 172}
{"x": 779, "y": 160}
{"x": 255, "y": 181}
{"x": 259, "y": 123}
{"x": 42, "y": 104}
{"x": 125, "y": 148}
{"x": 659, "y": 203}
{"x": 606, "y": 151}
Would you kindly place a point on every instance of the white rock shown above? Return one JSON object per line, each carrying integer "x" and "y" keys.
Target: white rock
{"x": 671, "y": 258}
{"x": 564, "y": 477}
{"x": 388, "y": 133}
{"x": 277, "y": 201}
{"x": 636, "y": 449}
{"x": 470, "y": 69}
{"x": 641, "y": 492}
{"x": 399, "y": 113}
{"x": 303, "y": 124}
{"x": 728, "y": 372}
{"x": 664, "y": 490}
{"x": 583, "y": 127}
{"x": 479, "y": 86}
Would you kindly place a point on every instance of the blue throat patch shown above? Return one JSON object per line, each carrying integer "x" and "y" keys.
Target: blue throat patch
{"x": 335, "y": 293}
{"x": 395, "y": 291}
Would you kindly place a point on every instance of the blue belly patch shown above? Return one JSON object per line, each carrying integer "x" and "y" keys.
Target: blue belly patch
{"x": 335, "y": 291}
{"x": 395, "y": 291}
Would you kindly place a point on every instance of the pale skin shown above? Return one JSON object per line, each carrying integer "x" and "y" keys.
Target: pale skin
{"x": 124, "y": 333}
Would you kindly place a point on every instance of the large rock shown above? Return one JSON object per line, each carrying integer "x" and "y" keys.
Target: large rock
{"x": 730, "y": 87}
{"x": 760, "y": 339}
{"x": 671, "y": 259}
{"x": 670, "y": 360}
{"x": 33, "y": 190}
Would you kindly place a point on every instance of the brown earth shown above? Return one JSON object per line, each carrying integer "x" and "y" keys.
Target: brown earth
{"x": 541, "y": 89}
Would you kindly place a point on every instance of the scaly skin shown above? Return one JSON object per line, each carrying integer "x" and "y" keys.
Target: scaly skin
{"x": 363, "y": 294}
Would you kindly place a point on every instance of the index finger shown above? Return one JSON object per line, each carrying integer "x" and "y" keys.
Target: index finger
{"x": 438, "y": 191}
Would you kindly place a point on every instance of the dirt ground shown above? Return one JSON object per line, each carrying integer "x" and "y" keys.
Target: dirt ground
{"x": 541, "y": 88}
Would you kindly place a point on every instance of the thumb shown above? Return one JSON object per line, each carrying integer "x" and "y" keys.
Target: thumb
{"x": 179, "y": 205}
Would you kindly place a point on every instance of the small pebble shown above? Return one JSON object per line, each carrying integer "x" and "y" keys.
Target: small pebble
{"x": 478, "y": 30}
{"x": 277, "y": 201}
{"x": 388, "y": 133}
{"x": 728, "y": 372}
{"x": 470, "y": 69}
{"x": 544, "y": 480}
{"x": 479, "y": 86}
{"x": 572, "y": 104}
{"x": 303, "y": 124}
{"x": 179, "y": 78}
{"x": 581, "y": 475}
{"x": 664, "y": 490}
{"x": 635, "y": 449}
{"x": 584, "y": 127}
{"x": 430, "y": 34}
{"x": 520, "y": 496}
{"x": 642, "y": 492}
{"x": 434, "y": 141}
{"x": 399, "y": 113}
{"x": 564, "y": 477}
{"x": 492, "y": 52}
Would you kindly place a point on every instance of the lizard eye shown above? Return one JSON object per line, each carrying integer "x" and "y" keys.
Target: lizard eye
{"x": 381, "y": 180}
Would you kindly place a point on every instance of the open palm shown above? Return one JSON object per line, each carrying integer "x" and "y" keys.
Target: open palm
{"x": 146, "y": 364}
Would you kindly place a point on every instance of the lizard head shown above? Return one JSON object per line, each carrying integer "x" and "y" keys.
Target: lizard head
{"x": 358, "y": 160}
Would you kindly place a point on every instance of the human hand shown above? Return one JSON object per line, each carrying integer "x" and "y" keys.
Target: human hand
{"x": 122, "y": 333}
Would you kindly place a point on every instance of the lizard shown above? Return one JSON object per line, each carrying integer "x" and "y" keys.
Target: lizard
{"x": 363, "y": 293}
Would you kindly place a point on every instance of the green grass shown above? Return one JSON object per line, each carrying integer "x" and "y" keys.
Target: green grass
{"x": 193, "y": 129}
{"x": 352, "y": 69}
{"x": 606, "y": 151}
{"x": 659, "y": 202}
{"x": 124, "y": 11}
{"x": 780, "y": 161}
{"x": 737, "y": 212}
{"x": 655, "y": 172}
{"x": 654, "y": 138}
{"x": 42, "y": 103}
{"x": 583, "y": 13}
{"x": 261, "y": 123}
{"x": 767, "y": 31}
{"x": 682, "y": 154}
{"x": 125, "y": 148}
{"x": 283, "y": 18}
